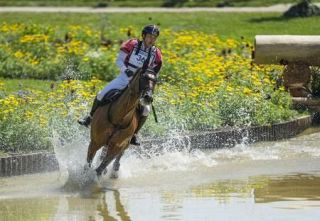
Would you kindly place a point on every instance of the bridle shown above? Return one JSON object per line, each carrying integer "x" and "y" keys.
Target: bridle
{"x": 147, "y": 91}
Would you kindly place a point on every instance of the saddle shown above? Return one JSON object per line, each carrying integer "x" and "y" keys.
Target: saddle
{"x": 111, "y": 96}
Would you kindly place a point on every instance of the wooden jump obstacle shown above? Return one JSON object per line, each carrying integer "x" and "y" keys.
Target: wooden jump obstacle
{"x": 297, "y": 53}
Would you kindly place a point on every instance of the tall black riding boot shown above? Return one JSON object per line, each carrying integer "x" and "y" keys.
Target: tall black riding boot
{"x": 87, "y": 120}
{"x": 134, "y": 139}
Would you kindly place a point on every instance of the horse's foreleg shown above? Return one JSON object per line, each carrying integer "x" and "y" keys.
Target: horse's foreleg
{"x": 103, "y": 152}
{"x": 111, "y": 154}
{"x": 92, "y": 149}
{"x": 106, "y": 161}
{"x": 116, "y": 166}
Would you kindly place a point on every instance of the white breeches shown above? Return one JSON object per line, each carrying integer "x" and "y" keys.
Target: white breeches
{"x": 119, "y": 82}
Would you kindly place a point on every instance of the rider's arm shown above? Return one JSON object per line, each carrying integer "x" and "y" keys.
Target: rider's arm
{"x": 120, "y": 61}
{"x": 125, "y": 50}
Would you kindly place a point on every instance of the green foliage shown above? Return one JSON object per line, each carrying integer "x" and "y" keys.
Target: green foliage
{"x": 143, "y": 3}
{"x": 19, "y": 135}
{"x": 236, "y": 109}
{"x": 315, "y": 83}
{"x": 34, "y": 51}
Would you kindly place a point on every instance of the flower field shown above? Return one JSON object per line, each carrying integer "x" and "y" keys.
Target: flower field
{"x": 206, "y": 82}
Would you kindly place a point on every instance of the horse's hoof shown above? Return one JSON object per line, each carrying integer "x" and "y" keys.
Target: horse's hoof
{"x": 98, "y": 173}
{"x": 86, "y": 167}
{"x": 114, "y": 175}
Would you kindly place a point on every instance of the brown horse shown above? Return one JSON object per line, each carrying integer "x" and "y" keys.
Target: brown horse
{"x": 114, "y": 124}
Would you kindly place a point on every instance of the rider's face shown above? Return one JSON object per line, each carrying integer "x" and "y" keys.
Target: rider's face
{"x": 149, "y": 40}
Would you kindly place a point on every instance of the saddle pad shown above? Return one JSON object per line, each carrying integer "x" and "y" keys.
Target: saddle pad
{"x": 111, "y": 96}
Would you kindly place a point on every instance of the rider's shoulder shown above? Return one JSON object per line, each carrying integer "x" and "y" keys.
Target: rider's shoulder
{"x": 128, "y": 45}
{"x": 130, "y": 42}
{"x": 158, "y": 52}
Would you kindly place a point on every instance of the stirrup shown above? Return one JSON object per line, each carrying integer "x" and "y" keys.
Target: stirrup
{"x": 134, "y": 141}
{"x": 85, "y": 121}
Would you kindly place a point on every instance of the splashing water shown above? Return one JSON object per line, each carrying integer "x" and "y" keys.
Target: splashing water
{"x": 174, "y": 154}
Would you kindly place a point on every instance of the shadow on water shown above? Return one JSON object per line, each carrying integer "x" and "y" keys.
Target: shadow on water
{"x": 265, "y": 189}
{"x": 105, "y": 202}
{"x": 291, "y": 187}
{"x": 91, "y": 203}
{"x": 97, "y": 204}
{"x": 121, "y": 211}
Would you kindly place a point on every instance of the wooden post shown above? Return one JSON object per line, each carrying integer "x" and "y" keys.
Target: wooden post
{"x": 296, "y": 52}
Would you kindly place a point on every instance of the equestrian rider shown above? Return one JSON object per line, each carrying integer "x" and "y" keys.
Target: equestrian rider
{"x": 132, "y": 56}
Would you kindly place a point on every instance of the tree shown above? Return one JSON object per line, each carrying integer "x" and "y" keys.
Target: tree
{"x": 303, "y": 9}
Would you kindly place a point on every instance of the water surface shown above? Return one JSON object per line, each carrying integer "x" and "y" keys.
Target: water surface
{"x": 264, "y": 181}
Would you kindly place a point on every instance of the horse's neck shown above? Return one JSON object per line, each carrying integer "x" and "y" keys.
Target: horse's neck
{"x": 123, "y": 108}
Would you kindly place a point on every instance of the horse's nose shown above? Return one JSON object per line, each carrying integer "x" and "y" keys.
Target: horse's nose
{"x": 148, "y": 98}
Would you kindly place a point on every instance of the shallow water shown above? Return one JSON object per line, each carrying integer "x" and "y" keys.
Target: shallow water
{"x": 264, "y": 181}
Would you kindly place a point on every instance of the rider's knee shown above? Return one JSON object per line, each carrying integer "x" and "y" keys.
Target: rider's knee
{"x": 146, "y": 110}
{"x": 100, "y": 96}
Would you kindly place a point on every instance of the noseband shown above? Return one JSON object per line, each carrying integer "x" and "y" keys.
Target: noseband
{"x": 145, "y": 79}
{"x": 151, "y": 76}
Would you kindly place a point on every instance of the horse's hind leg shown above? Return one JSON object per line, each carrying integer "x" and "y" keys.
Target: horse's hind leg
{"x": 92, "y": 149}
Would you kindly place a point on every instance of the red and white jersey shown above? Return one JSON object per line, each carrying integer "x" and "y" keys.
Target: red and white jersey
{"x": 130, "y": 57}
{"x": 137, "y": 54}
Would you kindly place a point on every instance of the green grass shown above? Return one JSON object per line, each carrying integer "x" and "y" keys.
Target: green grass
{"x": 224, "y": 25}
{"x": 143, "y": 3}
{"x": 14, "y": 85}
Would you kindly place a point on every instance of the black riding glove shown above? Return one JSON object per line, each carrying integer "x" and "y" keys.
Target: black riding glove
{"x": 128, "y": 72}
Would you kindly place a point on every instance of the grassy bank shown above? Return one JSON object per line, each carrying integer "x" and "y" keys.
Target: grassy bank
{"x": 223, "y": 24}
{"x": 14, "y": 85}
{"x": 144, "y": 3}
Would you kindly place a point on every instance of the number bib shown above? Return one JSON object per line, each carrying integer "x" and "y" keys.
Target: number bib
{"x": 137, "y": 60}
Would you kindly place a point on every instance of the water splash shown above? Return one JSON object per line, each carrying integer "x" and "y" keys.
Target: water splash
{"x": 172, "y": 154}
{"x": 71, "y": 71}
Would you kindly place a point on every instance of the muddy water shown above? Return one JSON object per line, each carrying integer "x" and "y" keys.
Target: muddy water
{"x": 265, "y": 181}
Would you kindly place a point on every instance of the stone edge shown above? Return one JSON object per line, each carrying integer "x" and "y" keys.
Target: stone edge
{"x": 46, "y": 162}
